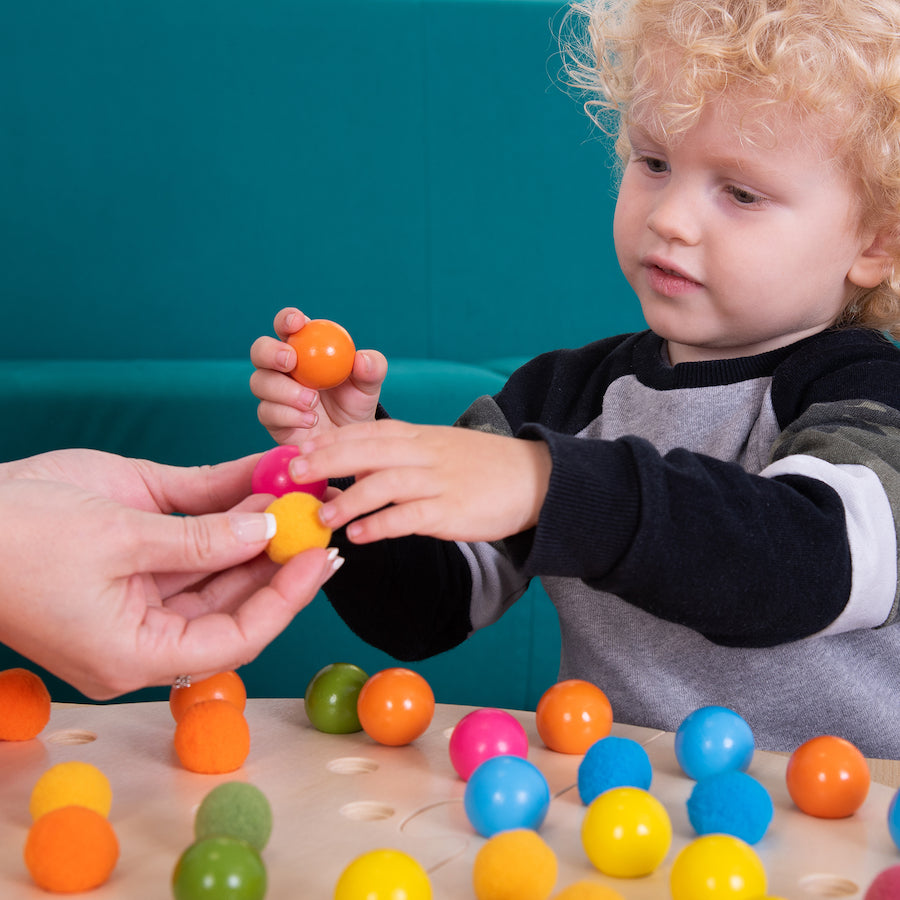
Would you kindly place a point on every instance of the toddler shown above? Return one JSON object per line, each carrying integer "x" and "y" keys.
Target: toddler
{"x": 711, "y": 504}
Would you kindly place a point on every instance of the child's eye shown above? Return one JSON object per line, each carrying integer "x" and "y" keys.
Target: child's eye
{"x": 744, "y": 197}
{"x": 653, "y": 164}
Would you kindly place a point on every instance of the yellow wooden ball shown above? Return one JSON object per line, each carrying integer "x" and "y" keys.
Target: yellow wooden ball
{"x": 298, "y": 526}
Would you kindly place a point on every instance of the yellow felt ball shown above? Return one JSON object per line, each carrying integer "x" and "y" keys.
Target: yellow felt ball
{"x": 514, "y": 865}
{"x": 71, "y": 784}
{"x": 588, "y": 890}
{"x": 298, "y": 526}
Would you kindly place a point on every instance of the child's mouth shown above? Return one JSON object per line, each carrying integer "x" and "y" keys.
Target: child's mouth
{"x": 669, "y": 282}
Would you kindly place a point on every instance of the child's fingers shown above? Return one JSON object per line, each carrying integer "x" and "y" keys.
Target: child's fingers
{"x": 289, "y": 320}
{"x": 367, "y": 431}
{"x": 415, "y": 517}
{"x": 364, "y": 447}
{"x": 395, "y": 488}
{"x": 270, "y": 353}
{"x": 369, "y": 371}
{"x": 275, "y": 388}
{"x": 278, "y": 416}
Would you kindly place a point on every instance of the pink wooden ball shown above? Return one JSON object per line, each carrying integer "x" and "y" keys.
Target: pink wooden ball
{"x": 483, "y": 734}
{"x": 271, "y": 475}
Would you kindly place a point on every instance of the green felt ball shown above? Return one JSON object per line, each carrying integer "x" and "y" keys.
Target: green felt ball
{"x": 235, "y": 809}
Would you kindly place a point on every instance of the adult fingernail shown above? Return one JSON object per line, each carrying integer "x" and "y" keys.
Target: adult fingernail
{"x": 251, "y": 528}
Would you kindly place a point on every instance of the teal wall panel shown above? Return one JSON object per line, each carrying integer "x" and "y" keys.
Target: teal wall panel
{"x": 175, "y": 172}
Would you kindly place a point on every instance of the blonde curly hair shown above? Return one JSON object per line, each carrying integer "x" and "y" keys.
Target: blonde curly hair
{"x": 835, "y": 61}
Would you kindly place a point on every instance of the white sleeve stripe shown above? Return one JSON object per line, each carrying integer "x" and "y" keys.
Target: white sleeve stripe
{"x": 871, "y": 533}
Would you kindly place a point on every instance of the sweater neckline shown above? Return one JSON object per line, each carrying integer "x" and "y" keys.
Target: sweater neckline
{"x": 652, "y": 367}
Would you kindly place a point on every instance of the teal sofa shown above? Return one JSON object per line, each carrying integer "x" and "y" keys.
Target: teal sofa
{"x": 175, "y": 171}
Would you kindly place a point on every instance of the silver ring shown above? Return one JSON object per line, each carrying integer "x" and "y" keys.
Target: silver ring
{"x": 182, "y": 681}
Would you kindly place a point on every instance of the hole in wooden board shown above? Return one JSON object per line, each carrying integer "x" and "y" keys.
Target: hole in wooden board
{"x": 826, "y": 885}
{"x": 366, "y": 811}
{"x": 71, "y": 736}
{"x": 351, "y": 765}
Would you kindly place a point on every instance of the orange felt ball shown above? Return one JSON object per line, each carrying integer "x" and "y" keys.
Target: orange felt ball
{"x": 212, "y": 737}
{"x": 24, "y": 705}
{"x": 325, "y": 354}
{"x": 71, "y": 849}
{"x": 221, "y": 686}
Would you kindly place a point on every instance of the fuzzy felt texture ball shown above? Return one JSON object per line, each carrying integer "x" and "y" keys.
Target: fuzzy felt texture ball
{"x": 613, "y": 762}
{"x": 515, "y": 865}
{"x": 298, "y": 526}
{"x": 730, "y": 803}
{"x": 886, "y": 885}
{"x": 24, "y": 705}
{"x": 235, "y": 809}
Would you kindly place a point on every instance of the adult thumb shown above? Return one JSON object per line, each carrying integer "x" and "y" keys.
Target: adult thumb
{"x": 204, "y": 543}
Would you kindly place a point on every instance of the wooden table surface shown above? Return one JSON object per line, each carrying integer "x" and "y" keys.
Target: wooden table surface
{"x": 337, "y": 796}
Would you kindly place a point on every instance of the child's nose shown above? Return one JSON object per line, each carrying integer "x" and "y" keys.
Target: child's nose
{"x": 674, "y": 216}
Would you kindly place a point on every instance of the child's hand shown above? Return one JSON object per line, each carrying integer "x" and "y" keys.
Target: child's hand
{"x": 291, "y": 412}
{"x": 451, "y": 483}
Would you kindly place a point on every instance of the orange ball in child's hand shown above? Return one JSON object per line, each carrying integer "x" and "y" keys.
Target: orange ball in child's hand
{"x": 212, "y": 737}
{"x": 24, "y": 705}
{"x": 221, "y": 686}
{"x": 325, "y": 354}
{"x": 71, "y": 849}
{"x": 298, "y": 526}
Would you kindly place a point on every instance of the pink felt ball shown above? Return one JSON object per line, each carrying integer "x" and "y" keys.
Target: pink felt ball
{"x": 482, "y": 734}
{"x": 271, "y": 475}
{"x": 886, "y": 885}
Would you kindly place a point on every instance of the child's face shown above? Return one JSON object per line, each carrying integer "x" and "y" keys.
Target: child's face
{"x": 737, "y": 247}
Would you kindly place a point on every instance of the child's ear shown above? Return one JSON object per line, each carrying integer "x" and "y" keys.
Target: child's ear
{"x": 873, "y": 264}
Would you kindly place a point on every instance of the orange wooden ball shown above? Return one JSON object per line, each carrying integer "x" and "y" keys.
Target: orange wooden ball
{"x": 212, "y": 737}
{"x": 325, "y": 353}
{"x": 24, "y": 705}
{"x": 828, "y": 777}
{"x": 572, "y": 715}
{"x": 221, "y": 686}
{"x": 395, "y": 706}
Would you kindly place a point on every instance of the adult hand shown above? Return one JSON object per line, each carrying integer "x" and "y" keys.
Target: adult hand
{"x": 450, "y": 483}
{"x": 102, "y": 587}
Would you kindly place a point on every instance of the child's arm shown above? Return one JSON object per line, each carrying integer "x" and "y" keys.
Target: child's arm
{"x": 745, "y": 559}
{"x": 290, "y": 412}
{"x": 450, "y": 483}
